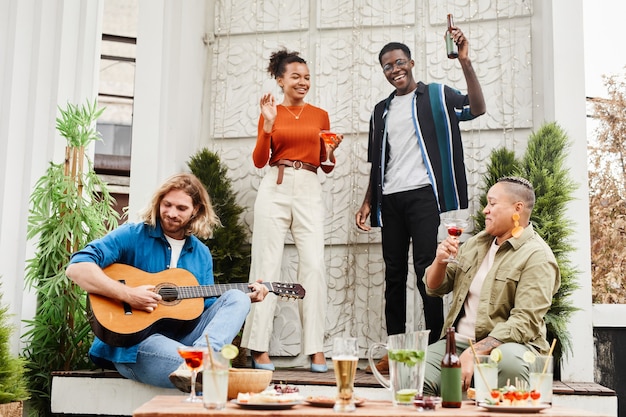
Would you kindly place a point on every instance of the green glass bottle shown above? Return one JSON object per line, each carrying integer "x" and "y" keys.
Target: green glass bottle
{"x": 451, "y": 389}
{"x": 451, "y": 48}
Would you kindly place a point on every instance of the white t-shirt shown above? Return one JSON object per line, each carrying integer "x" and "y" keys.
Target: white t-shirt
{"x": 177, "y": 247}
{"x": 466, "y": 327}
{"x": 405, "y": 169}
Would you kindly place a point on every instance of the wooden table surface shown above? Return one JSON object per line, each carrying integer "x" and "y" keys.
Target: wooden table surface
{"x": 174, "y": 406}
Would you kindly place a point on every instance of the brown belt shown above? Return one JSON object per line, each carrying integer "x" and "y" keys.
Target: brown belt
{"x": 282, "y": 163}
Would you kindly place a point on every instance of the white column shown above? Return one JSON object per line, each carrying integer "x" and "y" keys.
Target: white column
{"x": 560, "y": 87}
{"x": 169, "y": 82}
{"x": 50, "y": 55}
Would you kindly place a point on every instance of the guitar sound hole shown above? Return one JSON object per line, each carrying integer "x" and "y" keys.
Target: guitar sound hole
{"x": 168, "y": 293}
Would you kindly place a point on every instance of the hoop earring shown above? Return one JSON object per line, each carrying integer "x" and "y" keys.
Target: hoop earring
{"x": 517, "y": 229}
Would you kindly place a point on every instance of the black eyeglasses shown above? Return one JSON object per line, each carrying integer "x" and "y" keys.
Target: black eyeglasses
{"x": 400, "y": 63}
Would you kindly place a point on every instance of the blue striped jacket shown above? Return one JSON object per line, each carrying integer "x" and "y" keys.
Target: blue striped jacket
{"x": 437, "y": 111}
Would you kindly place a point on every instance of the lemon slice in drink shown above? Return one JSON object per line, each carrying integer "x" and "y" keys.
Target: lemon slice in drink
{"x": 229, "y": 351}
{"x": 529, "y": 357}
{"x": 405, "y": 395}
{"x": 496, "y": 355}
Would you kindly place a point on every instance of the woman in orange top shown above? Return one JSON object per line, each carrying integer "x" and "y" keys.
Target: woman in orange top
{"x": 290, "y": 198}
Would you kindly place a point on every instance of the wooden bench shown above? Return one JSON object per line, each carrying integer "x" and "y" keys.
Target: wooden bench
{"x": 581, "y": 388}
{"x": 105, "y": 392}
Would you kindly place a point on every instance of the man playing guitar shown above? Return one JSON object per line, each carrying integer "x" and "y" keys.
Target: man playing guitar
{"x": 180, "y": 210}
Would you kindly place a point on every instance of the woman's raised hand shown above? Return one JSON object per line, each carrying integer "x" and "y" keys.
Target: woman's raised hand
{"x": 268, "y": 107}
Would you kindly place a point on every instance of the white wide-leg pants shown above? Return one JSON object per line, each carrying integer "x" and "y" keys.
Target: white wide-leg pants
{"x": 295, "y": 204}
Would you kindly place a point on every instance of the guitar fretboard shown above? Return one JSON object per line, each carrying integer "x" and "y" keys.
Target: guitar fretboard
{"x": 201, "y": 291}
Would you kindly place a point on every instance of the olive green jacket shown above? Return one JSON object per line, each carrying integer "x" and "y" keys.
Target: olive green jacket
{"x": 517, "y": 291}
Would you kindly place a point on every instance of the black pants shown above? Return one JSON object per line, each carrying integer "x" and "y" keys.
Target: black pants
{"x": 409, "y": 216}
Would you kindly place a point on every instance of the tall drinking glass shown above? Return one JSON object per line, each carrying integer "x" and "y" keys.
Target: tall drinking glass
{"x": 345, "y": 360}
{"x": 215, "y": 380}
{"x": 541, "y": 376}
{"x": 485, "y": 377}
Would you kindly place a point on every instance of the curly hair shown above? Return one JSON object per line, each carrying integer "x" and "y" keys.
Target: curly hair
{"x": 279, "y": 61}
{"x": 203, "y": 222}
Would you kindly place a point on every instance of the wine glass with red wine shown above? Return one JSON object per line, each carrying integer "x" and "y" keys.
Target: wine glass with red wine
{"x": 193, "y": 357}
{"x": 455, "y": 224}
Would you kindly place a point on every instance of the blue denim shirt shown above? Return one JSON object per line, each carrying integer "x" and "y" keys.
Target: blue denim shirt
{"x": 144, "y": 247}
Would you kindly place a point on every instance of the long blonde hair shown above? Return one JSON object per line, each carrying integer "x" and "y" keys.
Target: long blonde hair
{"x": 203, "y": 222}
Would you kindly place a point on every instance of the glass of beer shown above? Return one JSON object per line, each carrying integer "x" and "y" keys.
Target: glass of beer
{"x": 345, "y": 360}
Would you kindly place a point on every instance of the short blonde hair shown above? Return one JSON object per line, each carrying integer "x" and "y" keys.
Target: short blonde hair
{"x": 522, "y": 189}
{"x": 205, "y": 219}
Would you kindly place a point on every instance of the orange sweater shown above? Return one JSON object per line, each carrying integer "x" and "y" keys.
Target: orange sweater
{"x": 293, "y": 139}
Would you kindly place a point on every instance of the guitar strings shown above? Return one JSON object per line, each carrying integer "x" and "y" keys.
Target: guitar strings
{"x": 170, "y": 293}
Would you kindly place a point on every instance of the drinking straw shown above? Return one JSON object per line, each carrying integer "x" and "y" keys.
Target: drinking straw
{"x": 480, "y": 371}
{"x": 545, "y": 365}
{"x": 208, "y": 344}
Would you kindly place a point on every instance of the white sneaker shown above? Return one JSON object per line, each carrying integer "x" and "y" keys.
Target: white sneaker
{"x": 181, "y": 378}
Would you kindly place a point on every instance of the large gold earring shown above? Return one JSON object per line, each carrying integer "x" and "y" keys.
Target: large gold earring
{"x": 517, "y": 229}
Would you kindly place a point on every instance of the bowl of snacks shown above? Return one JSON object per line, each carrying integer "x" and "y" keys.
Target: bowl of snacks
{"x": 247, "y": 380}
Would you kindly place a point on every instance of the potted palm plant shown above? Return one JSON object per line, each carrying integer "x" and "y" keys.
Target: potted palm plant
{"x": 70, "y": 206}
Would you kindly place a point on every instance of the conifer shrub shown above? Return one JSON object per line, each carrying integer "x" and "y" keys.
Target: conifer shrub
{"x": 543, "y": 164}
{"x": 229, "y": 244}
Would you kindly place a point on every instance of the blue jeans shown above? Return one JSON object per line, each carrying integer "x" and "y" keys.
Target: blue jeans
{"x": 158, "y": 355}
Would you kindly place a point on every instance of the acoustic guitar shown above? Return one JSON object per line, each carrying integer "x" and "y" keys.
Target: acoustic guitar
{"x": 117, "y": 324}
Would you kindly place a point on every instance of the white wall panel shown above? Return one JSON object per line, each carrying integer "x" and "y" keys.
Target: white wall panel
{"x": 50, "y": 51}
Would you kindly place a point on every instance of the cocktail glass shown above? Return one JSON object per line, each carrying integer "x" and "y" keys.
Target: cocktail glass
{"x": 328, "y": 137}
{"x": 193, "y": 357}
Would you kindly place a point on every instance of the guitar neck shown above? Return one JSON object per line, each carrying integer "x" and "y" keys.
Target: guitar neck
{"x": 205, "y": 291}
